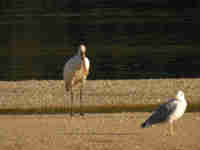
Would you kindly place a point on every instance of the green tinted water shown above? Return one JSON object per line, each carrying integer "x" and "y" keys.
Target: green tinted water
{"x": 122, "y": 43}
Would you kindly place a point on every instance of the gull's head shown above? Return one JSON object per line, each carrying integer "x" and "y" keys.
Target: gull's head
{"x": 180, "y": 95}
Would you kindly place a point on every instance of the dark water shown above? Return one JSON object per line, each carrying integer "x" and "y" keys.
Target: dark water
{"x": 123, "y": 43}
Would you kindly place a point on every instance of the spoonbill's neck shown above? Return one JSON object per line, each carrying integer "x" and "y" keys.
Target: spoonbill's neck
{"x": 86, "y": 65}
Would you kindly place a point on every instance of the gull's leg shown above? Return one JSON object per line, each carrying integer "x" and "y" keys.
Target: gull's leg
{"x": 171, "y": 128}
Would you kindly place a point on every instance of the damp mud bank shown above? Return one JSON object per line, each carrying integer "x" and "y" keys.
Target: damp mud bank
{"x": 100, "y": 96}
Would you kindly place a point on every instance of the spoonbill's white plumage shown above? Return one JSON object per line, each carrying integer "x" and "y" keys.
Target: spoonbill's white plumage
{"x": 75, "y": 72}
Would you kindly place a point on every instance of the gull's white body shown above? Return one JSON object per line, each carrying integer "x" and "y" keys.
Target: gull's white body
{"x": 180, "y": 109}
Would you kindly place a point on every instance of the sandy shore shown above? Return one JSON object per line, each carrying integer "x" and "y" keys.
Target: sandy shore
{"x": 96, "y": 132}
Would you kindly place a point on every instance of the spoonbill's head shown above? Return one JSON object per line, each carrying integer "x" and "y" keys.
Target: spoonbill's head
{"x": 82, "y": 50}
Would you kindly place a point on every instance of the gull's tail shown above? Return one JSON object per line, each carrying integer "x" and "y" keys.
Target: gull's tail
{"x": 146, "y": 124}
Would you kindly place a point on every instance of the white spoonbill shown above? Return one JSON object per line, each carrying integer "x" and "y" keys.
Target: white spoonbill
{"x": 75, "y": 72}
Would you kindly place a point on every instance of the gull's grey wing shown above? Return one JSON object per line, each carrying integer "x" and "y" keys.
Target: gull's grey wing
{"x": 161, "y": 114}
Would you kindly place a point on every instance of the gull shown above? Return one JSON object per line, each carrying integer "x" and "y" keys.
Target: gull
{"x": 168, "y": 112}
